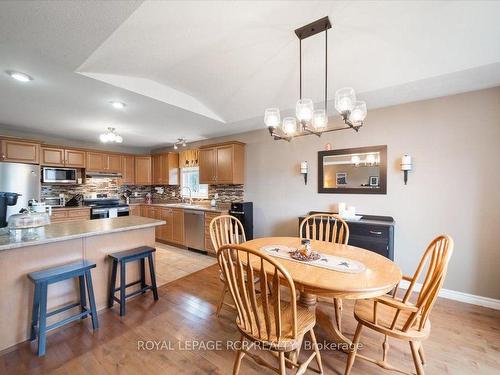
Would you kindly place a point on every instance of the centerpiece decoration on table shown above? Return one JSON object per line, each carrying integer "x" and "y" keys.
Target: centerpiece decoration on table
{"x": 304, "y": 252}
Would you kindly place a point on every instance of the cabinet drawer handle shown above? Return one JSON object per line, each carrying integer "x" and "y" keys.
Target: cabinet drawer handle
{"x": 376, "y": 232}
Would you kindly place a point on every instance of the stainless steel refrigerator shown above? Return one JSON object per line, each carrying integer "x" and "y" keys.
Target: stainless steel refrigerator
{"x": 22, "y": 179}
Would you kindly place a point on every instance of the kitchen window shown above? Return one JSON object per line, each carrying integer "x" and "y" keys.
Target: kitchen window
{"x": 190, "y": 177}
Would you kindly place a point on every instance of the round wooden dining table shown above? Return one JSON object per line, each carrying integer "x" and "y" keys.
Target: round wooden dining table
{"x": 380, "y": 276}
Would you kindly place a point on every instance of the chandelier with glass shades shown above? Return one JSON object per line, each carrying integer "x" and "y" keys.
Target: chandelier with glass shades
{"x": 110, "y": 136}
{"x": 308, "y": 120}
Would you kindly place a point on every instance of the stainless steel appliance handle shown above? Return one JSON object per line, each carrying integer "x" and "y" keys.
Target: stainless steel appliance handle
{"x": 376, "y": 232}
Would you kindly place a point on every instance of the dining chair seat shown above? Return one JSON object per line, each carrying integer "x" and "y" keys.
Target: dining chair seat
{"x": 363, "y": 312}
{"x": 306, "y": 320}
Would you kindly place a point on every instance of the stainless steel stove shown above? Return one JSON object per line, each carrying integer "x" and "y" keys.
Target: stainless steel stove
{"x": 104, "y": 207}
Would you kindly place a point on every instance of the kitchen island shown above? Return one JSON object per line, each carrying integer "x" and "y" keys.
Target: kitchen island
{"x": 59, "y": 244}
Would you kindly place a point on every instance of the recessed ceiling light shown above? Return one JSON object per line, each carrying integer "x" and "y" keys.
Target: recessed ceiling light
{"x": 18, "y": 76}
{"x": 118, "y": 105}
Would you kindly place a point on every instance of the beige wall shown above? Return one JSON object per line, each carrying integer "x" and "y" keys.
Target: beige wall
{"x": 454, "y": 187}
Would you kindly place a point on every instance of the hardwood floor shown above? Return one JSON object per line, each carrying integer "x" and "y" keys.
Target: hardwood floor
{"x": 465, "y": 339}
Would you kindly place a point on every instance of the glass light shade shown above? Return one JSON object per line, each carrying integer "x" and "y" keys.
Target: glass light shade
{"x": 358, "y": 113}
{"x": 304, "y": 110}
{"x": 104, "y": 138}
{"x": 370, "y": 159}
{"x": 272, "y": 117}
{"x": 345, "y": 99}
{"x": 355, "y": 159}
{"x": 118, "y": 139}
{"x": 320, "y": 119}
{"x": 289, "y": 125}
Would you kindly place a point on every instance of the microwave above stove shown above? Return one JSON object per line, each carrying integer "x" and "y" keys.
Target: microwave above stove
{"x": 59, "y": 175}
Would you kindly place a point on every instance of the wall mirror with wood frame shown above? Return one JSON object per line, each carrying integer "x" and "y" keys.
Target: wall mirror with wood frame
{"x": 361, "y": 170}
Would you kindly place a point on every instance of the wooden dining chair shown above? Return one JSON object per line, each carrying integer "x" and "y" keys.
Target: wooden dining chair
{"x": 264, "y": 319}
{"x": 328, "y": 228}
{"x": 400, "y": 318}
{"x": 225, "y": 230}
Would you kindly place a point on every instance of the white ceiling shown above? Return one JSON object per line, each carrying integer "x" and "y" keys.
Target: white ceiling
{"x": 202, "y": 69}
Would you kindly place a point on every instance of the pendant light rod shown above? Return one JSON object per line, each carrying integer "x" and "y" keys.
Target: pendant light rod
{"x": 326, "y": 72}
{"x": 300, "y": 68}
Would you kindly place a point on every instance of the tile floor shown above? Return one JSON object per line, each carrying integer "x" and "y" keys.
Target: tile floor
{"x": 173, "y": 263}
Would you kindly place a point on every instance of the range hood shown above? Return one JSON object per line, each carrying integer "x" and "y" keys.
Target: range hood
{"x": 103, "y": 174}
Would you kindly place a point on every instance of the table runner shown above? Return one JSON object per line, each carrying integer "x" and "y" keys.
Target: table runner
{"x": 332, "y": 262}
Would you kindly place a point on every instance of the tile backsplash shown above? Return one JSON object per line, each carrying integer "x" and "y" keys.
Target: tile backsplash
{"x": 227, "y": 193}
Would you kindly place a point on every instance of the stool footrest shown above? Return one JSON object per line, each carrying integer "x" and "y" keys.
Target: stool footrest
{"x": 130, "y": 284}
{"x": 147, "y": 287}
{"x": 67, "y": 320}
{"x": 64, "y": 308}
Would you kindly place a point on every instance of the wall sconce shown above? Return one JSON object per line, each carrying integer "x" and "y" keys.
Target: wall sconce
{"x": 303, "y": 170}
{"x": 406, "y": 166}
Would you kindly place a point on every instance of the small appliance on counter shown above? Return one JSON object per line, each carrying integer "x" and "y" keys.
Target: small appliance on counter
{"x": 244, "y": 213}
{"x": 39, "y": 207}
{"x": 59, "y": 201}
{"x": 75, "y": 201}
{"x": 6, "y": 199}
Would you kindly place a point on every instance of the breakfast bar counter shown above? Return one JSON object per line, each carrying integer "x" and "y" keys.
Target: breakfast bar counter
{"x": 60, "y": 244}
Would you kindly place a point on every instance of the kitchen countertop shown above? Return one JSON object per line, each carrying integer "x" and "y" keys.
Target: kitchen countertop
{"x": 70, "y": 208}
{"x": 78, "y": 229}
{"x": 184, "y": 206}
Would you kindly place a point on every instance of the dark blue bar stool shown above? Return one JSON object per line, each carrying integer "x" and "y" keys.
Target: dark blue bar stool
{"x": 122, "y": 258}
{"x": 42, "y": 279}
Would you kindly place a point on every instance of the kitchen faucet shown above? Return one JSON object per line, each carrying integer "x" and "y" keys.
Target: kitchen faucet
{"x": 190, "y": 194}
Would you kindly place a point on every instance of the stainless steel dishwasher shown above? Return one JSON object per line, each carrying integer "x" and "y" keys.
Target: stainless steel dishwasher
{"x": 194, "y": 229}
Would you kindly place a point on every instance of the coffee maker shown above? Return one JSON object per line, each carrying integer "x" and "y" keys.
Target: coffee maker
{"x": 6, "y": 199}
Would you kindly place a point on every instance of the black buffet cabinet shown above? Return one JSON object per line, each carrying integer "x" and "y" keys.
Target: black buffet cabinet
{"x": 375, "y": 233}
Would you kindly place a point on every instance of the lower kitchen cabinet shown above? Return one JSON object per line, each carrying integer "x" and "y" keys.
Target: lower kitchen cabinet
{"x": 209, "y": 216}
{"x": 60, "y": 215}
{"x": 135, "y": 210}
{"x": 178, "y": 226}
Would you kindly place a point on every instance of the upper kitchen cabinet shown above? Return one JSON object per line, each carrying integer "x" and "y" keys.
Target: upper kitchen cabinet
{"x": 19, "y": 151}
{"x": 222, "y": 163}
{"x": 103, "y": 162}
{"x": 59, "y": 157}
{"x": 143, "y": 170}
{"x": 166, "y": 169}
{"x": 128, "y": 170}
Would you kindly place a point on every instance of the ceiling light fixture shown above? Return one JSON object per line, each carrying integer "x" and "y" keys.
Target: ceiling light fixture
{"x": 18, "y": 76}
{"x": 180, "y": 141}
{"x": 311, "y": 121}
{"x": 110, "y": 136}
{"x": 117, "y": 105}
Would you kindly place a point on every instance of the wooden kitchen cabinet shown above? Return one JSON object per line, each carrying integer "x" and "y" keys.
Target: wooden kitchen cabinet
{"x": 104, "y": 162}
{"x": 209, "y": 216}
{"x": 178, "y": 226}
{"x": 60, "y": 157}
{"x": 222, "y": 163}
{"x": 74, "y": 158}
{"x": 19, "y": 151}
{"x": 135, "y": 210}
{"x": 60, "y": 215}
{"x": 166, "y": 169}
{"x": 95, "y": 162}
{"x": 128, "y": 170}
{"x": 113, "y": 163}
{"x": 143, "y": 170}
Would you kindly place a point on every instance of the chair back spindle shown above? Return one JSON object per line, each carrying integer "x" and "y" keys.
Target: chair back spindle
{"x": 325, "y": 227}
{"x": 260, "y": 315}
{"x": 226, "y": 230}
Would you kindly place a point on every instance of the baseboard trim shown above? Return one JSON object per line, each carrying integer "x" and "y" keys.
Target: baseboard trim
{"x": 460, "y": 296}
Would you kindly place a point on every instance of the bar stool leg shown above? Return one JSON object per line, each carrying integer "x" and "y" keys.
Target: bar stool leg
{"x": 83, "y": 297}
{"x": 43, "y": 319}
{"x": 143, "y": 274}
{"x": 36, "y": 311}
{"x": 153, "y": 276}
{"x": 90, "y": 290}
{"x": 112, "y": 284}
{"x": 123, "y": 282}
